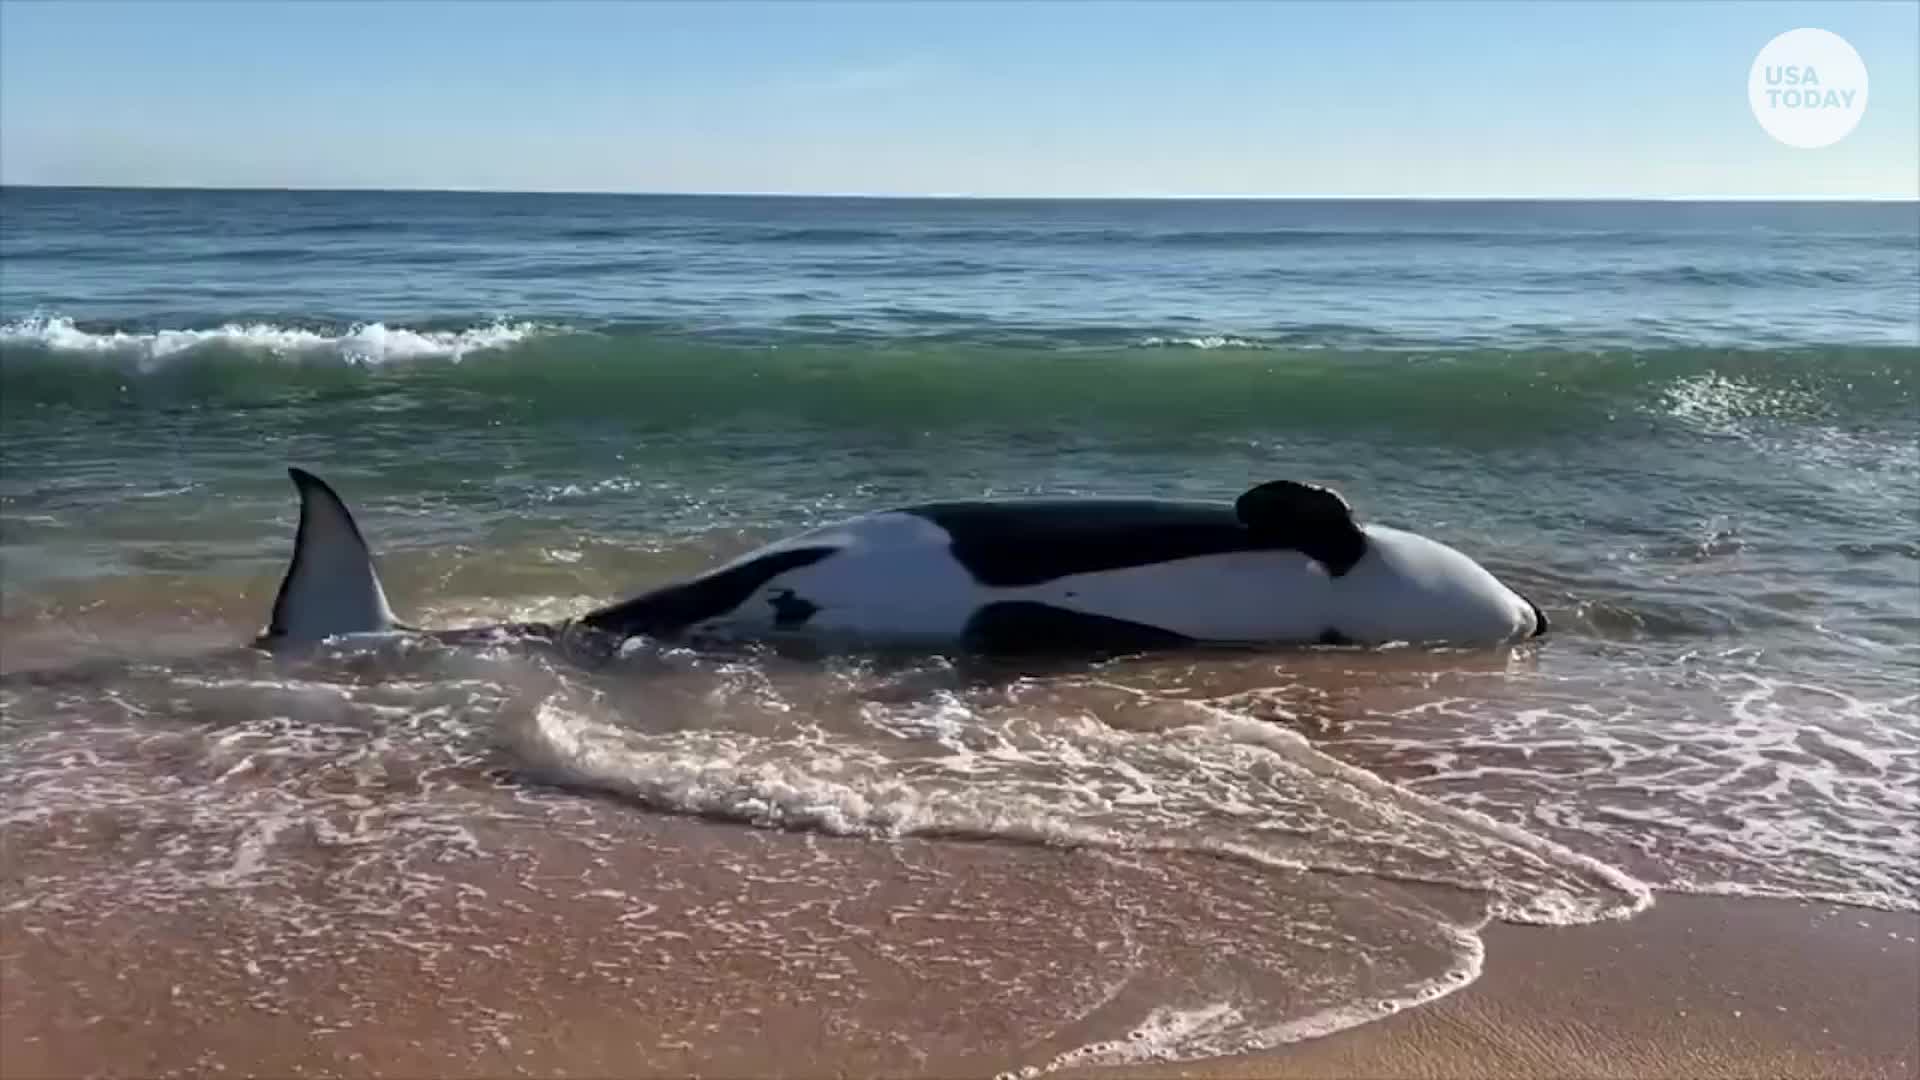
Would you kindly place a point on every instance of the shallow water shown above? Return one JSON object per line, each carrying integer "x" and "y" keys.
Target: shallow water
{"x": 1690, "y": 433}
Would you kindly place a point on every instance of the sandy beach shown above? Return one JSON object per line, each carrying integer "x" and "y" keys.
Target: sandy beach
{"x": 667, "y": 947}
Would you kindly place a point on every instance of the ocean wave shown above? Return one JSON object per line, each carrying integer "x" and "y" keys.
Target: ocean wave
{"x": 1206, "y": 341}
{"x": 360, "y": 343}
{"x": 1208, "y": 385}
{"x": 930, "y": 367}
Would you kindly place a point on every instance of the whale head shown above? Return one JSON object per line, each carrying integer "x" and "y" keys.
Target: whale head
{"x": 1409, "y": 587}
{"x": 1388, "y": 584}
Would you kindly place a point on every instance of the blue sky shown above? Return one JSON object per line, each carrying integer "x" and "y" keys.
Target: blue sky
{"x": 1085, "y": 98}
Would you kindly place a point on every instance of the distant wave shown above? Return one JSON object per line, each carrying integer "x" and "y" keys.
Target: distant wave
{"x": 876, "y": 330}
{"x": 1687, "y": 274}
{"x": 1168, "y": 379}
{"x": 1060, "y": 234}
{"x": 362, "y": 343}
{"x": 882, "y": 326}
{"x": 1375, "y": 275}
{"x": 890, "y": 236}
{"x": 343, "y": 228}
{"x": 1055, "y": 234}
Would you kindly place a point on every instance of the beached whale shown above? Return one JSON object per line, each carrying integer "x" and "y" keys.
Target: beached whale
{"x": 1284, "y": 564}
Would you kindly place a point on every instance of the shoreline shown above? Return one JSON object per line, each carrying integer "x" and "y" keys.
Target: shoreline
{"x": 1696, "y": 986}
{"x": 537, "y": 982}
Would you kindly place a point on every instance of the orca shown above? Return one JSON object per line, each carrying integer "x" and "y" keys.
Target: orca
{"x": 1285, "y": 564}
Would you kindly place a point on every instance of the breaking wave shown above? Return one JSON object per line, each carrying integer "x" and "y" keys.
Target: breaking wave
{"x": 359, "y": 343}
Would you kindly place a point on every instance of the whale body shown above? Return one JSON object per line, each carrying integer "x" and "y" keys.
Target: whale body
{"x": 1285, "y": 564}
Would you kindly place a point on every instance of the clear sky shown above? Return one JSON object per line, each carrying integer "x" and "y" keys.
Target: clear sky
{"x": 1243, "y": 98}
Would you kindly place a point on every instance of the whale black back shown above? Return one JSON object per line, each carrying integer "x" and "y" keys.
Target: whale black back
{"x": 1028, "y": 541}
{"x": 1016, "y": 542}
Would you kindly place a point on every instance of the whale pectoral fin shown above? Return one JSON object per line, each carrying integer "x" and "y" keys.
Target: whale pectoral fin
{"x": 1012, "y": 627}
{"x": 331, "y": 585}
{"x": 668, "y": 610}
{"x": 1308, "y": 518}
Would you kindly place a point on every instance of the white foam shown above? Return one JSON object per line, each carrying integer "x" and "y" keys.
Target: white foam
{"x": 1755, "y": 784}
{"x": 1220, "y": 784}
{"x": 1166, "y": 1033}
{"x": 362, "y": 343}
{"x": 1203, "y": 341}
{"x": 1540, "y": 902}
{"x": 1221, "y": 1029}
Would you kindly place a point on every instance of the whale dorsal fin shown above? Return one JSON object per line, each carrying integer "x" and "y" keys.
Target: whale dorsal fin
{"x": 1308, "y": 518}
{"x": 331, "y": 586}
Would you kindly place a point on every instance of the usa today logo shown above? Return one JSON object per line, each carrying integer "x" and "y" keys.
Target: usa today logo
{"x": 1808, "y": 88}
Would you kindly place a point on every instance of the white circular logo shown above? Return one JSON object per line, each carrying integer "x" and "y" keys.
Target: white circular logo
{"x": 1808, "y": 88}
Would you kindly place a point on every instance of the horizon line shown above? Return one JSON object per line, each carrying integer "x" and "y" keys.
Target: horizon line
{"x": 964, "y": 196}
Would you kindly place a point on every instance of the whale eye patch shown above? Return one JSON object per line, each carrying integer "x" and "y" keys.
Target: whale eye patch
{"x": 790, "y": 609}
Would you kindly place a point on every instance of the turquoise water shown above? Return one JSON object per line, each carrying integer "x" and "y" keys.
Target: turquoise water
{"x": 1691, "y": 432}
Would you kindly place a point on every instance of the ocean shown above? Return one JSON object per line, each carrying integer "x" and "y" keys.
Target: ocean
{"x": 1689, "y": 431}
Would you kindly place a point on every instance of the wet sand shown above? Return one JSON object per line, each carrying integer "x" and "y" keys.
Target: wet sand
{"x": 1694, "y": 987}
{"x": 668, "y": 947}
{"x": 602, "y": 942}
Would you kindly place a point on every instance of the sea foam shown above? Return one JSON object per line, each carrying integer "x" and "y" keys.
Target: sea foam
{"x": 360, "y": 343}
